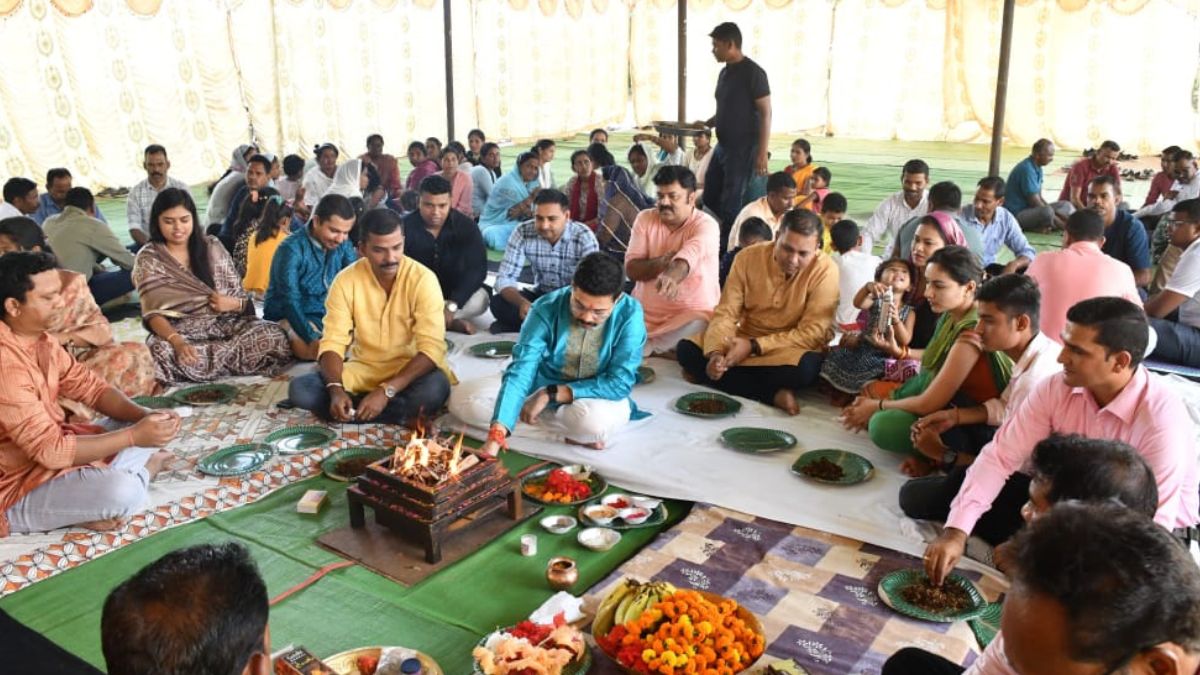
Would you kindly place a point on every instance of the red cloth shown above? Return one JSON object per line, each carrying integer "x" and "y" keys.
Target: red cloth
{"x": 587, "y": 212}
{"x": 1159, "y": 187}
{"x": 1081, "y": 174}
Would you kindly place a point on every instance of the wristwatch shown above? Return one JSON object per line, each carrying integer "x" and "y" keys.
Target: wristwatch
{"x": 755, "y": 350}
{"x": 388, "y": 390}
{"x": 552, "y": 391}
{"x": 949, "y": 459}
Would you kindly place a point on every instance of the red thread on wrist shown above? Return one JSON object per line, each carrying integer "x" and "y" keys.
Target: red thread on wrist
{"x": 499, "y": 435}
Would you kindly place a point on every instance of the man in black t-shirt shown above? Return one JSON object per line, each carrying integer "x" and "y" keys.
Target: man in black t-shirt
{"x": 743, "y": 124}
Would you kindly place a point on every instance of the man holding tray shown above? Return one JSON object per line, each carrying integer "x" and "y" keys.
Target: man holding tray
{"x": 577, "y": 356}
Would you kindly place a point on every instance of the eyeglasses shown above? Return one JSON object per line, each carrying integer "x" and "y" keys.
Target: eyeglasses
{"x": 1175, "y": 221}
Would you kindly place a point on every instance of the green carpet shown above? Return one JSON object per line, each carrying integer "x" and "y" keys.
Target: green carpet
{"x": 444, "y": 616}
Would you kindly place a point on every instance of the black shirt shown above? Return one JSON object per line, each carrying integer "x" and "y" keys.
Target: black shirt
{"x": 458, "y": 256}
{"x": 738, "y": 86}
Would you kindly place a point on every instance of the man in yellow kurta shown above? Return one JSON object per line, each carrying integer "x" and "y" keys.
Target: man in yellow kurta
{"x": 386, "y": 309}
{"x": 774, "y": 318}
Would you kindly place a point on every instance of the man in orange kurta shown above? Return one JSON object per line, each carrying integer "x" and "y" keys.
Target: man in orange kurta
{"x": 674, "y": 258}
{"x": 53, "y": 474}
{"x": 775, "y": 317}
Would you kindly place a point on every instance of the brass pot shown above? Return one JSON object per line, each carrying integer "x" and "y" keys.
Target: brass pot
{"x": 561, "y": 573}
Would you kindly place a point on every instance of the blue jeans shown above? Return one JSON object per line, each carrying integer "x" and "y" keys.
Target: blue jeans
{"x": 425, "y": 396}
{"x": 110, "y": 285}
{"x": 1178, "y": 343}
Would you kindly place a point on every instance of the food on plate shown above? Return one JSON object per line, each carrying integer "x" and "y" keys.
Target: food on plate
{"x": 600, "y": 513}
{"x": 352, "y": 467}
{"x": 204, "y": 396}
{"x": 706, "y": 406}
{"x": 559, "y": 487}
{"x": 655, "y": 631}
{"x": 949, "y": 598}
{"x": 366, "y": 664}
{"x": 634, "y": 516}
{"x": 617, "y": 501}
{"x": 823, "y": 469}
{"x": 598, "y": 538}
{"x": 530, "y": 648}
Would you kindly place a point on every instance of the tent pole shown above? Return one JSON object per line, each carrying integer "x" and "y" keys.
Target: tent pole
{"x": 681, "y": 38}
{"x": 1001, "y": 88}
{"x": 448, "y": 41}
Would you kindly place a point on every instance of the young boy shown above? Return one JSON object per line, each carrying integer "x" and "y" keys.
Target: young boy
{"x": 855, "y": 270}
{"x": 833, "y": 210}
{"x": 293, "y": 169}
{"x": 753, "y": 231}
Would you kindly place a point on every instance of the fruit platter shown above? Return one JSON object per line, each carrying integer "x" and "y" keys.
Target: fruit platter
{"x": 563, "y": 485}
{"x": 654, "y": 627}
{"x": 530, "y": 648}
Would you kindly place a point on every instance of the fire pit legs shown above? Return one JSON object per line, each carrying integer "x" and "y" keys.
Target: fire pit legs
{"x": 358, "y": 514}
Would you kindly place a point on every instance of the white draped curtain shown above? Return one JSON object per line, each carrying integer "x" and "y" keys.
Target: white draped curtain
{"x": 88, "y": 83}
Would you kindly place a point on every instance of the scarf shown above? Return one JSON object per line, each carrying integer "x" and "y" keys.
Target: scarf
{"x": 944, "y": 337}
{"x": 238, "y": 160}
{"x": 346, "y": 180}
{"x": 587, "y": 211}
{"x": 172, "y": 291}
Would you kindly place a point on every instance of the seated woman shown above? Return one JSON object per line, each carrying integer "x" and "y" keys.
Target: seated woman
{"x": 272, "y": 228}
{"x": 510, "y": 202}
{"x": 954, "y": 367}
{"x": 619, "y": 206}
{"x": 202, "y": 326}
{"x": 82, "y": 329}
{"x": 461, "y": 187}
{"x": 484, "y": 175}
{"x": 584, "y": 189}
{"x": 250, "y": 213}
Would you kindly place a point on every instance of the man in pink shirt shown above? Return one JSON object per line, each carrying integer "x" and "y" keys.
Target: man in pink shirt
{"x": 1097, "y": 588}
{"x": 1078, "y": 272}
{"x": 1103, "y": 392}
{"x": 1103, "y": 162}
{"x": 674, "y": 257}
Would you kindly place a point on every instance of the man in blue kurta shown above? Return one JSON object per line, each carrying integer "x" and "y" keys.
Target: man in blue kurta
{"x": 302, "y": 271}
{"x": 576, "y": 361}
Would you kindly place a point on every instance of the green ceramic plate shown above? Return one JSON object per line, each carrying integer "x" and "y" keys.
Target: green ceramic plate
{"x": 657, "y": 517}
{"x": 987, "y": 625}
{"x": 579, "y": 667}
{"x": 892, "y": 586}
{"x": 856, "y": 468}
{"x": 757, "y": 439}
{"x": 330, "y": 466}
{"x": 206, "y": 394}
{"x": 722, "y": 406}
{"x": 155, "y": 402}
{"x": 500, "y": 349}
{"x": 595, "y": 481}
{"x": 296, "y": 440}
{"x": 236, "y": 459}
{"x": 645, "y": 375}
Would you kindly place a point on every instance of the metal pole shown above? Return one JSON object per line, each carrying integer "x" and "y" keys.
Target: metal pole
{"x": 1001, "y": 88}
{"x": 449, "y": 45}
{"x": 681, "y": 37}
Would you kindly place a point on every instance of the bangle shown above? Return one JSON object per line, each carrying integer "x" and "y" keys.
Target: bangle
{"x": 499, "y": 435}
{"x": 339, "y": 385}
{"x": 172, "y": 335}
{"x": 881, "y": 404}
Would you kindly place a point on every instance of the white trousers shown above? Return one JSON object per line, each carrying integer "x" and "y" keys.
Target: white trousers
{"x": 476, "y": 305}
{"x": 85, "y": 494}
{"x": 585, "y": 420}
{"x": 666, "y": 343}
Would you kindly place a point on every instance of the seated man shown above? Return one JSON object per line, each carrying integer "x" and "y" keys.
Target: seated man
{"x": 302, "y": 270}
{"x": 673, "y": 256}
{"x": 900, "y": 207}
{"x": 52, "y": 202}
{"x": 1175, "y": 311}
{"x": 554, "y": 244}
{"x": 449, "y": 243}
{"x": 20, "y": 198}
{"x": 141, "y": 196}
{"x": 781, "y": 192}
{"x": 1097, "y": 588}
{"x": 774, "y": 318}
{"x": 81, "y": 241}
{"x": 386, "y": 309}
{"x": 1124, "y": 236}
{"x": 258, "y": 176}
{"x": 1078, "y": 272}
{"x": 201, "y": 609}
{"x": 947, "y": 197}
{"x": 1103, "y": 392}
{"x": 1186, "y": 186}
{"x": 1023, "y": 191}
{"x": 576, "y": 360}
{"x": 997, "y": 227}
{"x": 1008, "y": 322}
{"x": 53, "y": 478}
{"x": 1103, "y": 162}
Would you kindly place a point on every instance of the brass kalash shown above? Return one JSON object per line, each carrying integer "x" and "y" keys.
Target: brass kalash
{"x": 427, "y": 491}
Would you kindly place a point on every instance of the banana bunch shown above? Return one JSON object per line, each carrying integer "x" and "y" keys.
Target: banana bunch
{"x": 627, "y": 601}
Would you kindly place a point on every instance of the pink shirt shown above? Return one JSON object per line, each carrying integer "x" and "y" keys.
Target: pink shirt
{"x": 461, "y": 189}
{"x": 1146, "y": 415}
{"x": 1039, "y": 361}
{"x": 1082, "y": 174}
{"x": 1079, "y": 272}
{"x": 697, "y": 241}
{"x": 992, "y": 661}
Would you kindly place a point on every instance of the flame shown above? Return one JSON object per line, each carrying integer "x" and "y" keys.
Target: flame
{"x": 455, "y": 457}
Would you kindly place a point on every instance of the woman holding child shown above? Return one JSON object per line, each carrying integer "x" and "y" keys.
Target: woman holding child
{"x": 954, "y": 367}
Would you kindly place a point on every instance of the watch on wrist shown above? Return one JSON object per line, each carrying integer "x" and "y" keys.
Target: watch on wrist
{"x": 754, "y": 348}
{"x": 388, "y": 390}
{"x": 552, "y": 391}
{"x": 949, "y": 459}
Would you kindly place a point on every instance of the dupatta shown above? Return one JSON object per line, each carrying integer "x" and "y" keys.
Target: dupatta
{"x": 170, "y": 290}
